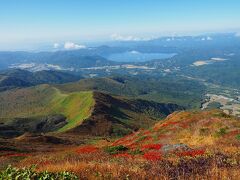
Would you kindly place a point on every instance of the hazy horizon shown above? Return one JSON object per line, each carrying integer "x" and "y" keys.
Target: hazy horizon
{"x": 28, "y": 25}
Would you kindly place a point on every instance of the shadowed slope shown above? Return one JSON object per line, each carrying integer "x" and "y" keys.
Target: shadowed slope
{"x": 119, "y": 116}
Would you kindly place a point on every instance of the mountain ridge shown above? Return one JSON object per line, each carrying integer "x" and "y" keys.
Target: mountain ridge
{"x": 123, "y": 115}
{"x": 119, "y": 116}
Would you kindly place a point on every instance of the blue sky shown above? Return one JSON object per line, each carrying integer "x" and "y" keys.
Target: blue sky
{"x": 40, "y": 21}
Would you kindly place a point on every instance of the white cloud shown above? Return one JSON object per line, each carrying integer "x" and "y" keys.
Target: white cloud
{"x": 172, "y": 39}
{"x": 71, "y": 46}
{"x": 167, "y": 70}
{"x": 209, "y": 38}
{"x": 206, "y": 38}
{"x": 134, "y": 52}
{"x": 218, "y": 59}
{"x": 56, "y": 45}
{"x": 117, "y": 37}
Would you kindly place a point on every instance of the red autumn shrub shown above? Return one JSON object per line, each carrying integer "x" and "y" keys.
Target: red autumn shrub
{"x": 86, "y": 149}
{"x": 183, "y": 125}
{"x": 133, "y": 139}
{"x": 163, "y": 136}
{"x": 152, "y": 156}
{"x": 169, "y": 123}
{"x": 147, "y": 138}
{"x": 44, "y": 163}
{"x": 172, "y": 129}
{"x": 15, "y": 155}
{"x": 152, "y": 146}
{"x": 191, "y": 153}
{"x": 118, "y": 141}
{"x": 123, "y": 155}
{"x": 132, "y": 145}
{"x": 232, "y": 133}
{"x": 127, "y": 141}
{"x": 146, "y": 132}
{"x": 124, "y": 140}
{"x": 155, "y": 129}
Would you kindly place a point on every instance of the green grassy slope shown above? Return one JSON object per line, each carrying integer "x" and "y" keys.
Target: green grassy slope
{"x": 76, "y": 107}
{"x": 44, "y": 100}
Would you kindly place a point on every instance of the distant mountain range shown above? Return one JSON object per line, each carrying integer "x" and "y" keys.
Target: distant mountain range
{"x": 207, "y": 57}
{"x": 16, "y": 78}
{"x": 60, "y": 59}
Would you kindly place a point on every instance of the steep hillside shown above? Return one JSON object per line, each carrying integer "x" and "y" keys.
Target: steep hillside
{"x": 119, "y": 116}
{"x": 211, "y": 130}
{"x": 39, "y": 101}
{"x": 86, "y": 112}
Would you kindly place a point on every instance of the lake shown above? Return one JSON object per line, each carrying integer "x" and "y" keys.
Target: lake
{"x": 135, "y": 56}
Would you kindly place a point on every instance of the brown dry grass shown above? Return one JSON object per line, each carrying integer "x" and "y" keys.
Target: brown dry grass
{"x": 100, "y": 165}
{"x": 220, "y": 160}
